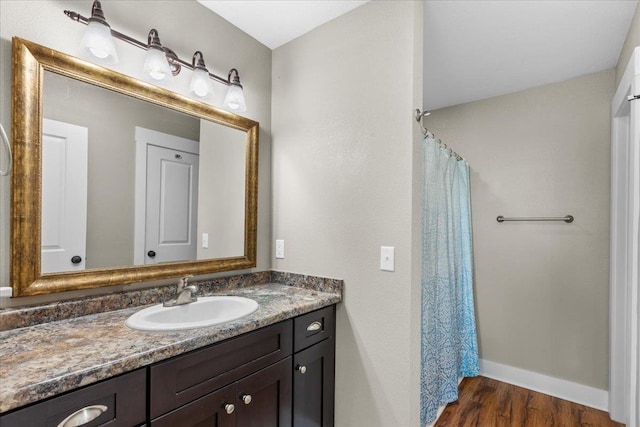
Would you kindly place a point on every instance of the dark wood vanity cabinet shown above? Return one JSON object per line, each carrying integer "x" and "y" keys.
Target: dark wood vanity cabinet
{"x": 253, "y": 369}
{"x": 314, "y": 369}
{"x": 284, "y": 376}
{"x": 262, "y": 399}
{"x": 277, "y": 376}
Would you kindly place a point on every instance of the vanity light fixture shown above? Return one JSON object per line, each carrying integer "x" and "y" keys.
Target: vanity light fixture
{"x": 160, "y": 62}
{"x": 97, "y": 40}
{"x": 156, "y": 63}
{"x": 235, "y": 99}
{"x": 200, "y": 84}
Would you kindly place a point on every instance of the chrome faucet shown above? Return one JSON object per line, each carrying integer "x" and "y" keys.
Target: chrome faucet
{"x": 185, "y": 293}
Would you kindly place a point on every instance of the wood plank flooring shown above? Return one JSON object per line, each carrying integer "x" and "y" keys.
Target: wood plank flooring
{"x": 484, "y": 402}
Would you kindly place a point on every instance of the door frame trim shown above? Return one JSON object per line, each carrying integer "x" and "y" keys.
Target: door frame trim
{"x": 624, "y": 324}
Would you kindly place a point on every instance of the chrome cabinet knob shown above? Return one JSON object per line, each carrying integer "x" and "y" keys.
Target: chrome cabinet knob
{"x": 246, "y": 398}
{"x": 229, "y": 408}
{"x": 301, "y": 368}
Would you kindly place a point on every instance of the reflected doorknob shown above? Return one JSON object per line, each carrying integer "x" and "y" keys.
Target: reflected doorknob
{"x": 151, "y": 254}
{"x": 76, "y": 259}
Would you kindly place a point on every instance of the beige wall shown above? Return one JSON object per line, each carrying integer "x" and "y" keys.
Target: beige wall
{"x": 541, "y": 288}
{"x": 221, "y": 196}
{"x": 632, "y": 41}
{"x": 343, "y": 97}
{"x": 184, "y": 26}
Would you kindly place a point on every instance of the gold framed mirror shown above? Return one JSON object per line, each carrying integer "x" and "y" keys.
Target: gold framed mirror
{"x": 31, "y": 64}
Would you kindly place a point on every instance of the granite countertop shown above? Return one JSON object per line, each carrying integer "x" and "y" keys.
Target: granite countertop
{"x": 44, "y": 360}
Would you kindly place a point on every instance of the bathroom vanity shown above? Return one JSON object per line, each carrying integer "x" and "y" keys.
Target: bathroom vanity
{"x": 272, "y": 367}
{"x": 279, "y": 373}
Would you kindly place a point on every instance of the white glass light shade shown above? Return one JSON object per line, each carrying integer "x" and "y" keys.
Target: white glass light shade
{"x": 200, "y": 83}
{"x": 98, "y": 43}
{"x": 234, "y": 100}
{"x": 156, "y": 67}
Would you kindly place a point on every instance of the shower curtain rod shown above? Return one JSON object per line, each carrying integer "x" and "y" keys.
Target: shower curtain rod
{"x": 419, "y": 116}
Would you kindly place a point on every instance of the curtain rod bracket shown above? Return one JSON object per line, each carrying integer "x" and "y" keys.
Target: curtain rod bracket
{"x": 421, "y": 114}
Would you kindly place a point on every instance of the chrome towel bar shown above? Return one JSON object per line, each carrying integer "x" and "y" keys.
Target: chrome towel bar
{"x": 566, "y": 218}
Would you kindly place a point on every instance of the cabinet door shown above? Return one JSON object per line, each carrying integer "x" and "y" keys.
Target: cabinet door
{"x": 212, "y": 410}
{"x": 313, "y": 385}
{"x": 264, "y": 398}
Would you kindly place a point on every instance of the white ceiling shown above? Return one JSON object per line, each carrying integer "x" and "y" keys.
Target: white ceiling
{"x": 473, "y": 49}
{"x": 479, "y": 49}
{"x": 276, "y": 22}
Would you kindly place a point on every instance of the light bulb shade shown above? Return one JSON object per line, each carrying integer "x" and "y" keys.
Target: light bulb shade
{"x": 234, "y": 100}
{"x": 97, "y": 42}
{"x": 156, "y": 67}
{"x": 200, "y": 85}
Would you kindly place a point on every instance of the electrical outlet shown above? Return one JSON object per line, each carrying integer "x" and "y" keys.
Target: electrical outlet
{"x": 280, "y": 249}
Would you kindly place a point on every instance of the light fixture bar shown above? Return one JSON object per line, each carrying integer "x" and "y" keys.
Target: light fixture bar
{"x": 172, "y": 58}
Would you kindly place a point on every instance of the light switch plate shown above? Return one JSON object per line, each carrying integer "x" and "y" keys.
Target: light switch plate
{"x": 280, "y": 249}
{"x": 387, "y": 258}
{"x": 205, "y": 240}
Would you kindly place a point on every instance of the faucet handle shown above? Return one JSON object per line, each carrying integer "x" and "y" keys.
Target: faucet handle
{"x": 184, "y": 282}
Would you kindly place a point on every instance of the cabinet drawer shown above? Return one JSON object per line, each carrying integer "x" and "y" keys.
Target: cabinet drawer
{"x": 314, "y": 327}
{"x": 185, "y": 378}
{"x": 122, "y": 400}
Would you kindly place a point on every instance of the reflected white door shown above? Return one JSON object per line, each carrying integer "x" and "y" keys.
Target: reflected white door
{"x": 172, "y": 205}
{"x": 64, "y": 196}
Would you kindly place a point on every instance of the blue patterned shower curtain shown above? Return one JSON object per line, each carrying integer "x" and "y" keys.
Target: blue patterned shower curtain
{"x": 449, "y": 342}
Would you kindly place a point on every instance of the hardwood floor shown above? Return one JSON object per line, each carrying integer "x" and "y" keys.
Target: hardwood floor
{"x": 484, "y": 402}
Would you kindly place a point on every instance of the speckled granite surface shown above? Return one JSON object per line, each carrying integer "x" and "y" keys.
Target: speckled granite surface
{"x": 11, "y": 318}
{"x": 40, "y": 361}
{"x": 317, "y": 283}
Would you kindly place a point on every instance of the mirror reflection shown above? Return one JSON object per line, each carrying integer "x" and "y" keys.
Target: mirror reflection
{"x": 126, "y": 182}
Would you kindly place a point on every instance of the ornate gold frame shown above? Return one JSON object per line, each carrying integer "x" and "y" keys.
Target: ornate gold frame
{"x": 30, "y": 60}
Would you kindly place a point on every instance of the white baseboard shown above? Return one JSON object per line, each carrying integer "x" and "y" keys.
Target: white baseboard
{"x": 563, "y": 389}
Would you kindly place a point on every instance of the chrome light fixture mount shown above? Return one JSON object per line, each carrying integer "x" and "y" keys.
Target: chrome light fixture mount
{"x": 97, "y": 15}
{"x": 160, "y": 62}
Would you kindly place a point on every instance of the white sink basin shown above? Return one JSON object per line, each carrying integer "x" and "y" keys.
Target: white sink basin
{"x": 207, "y": 311}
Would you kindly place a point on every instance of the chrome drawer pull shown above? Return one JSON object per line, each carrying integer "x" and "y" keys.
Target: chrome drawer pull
{"x": 246, "y": 398}
{"x": 229, "y": 408}
{"x": 315, "y": 326}
{"x": 83, "y": 416}
{"x": 301, "y": 368}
